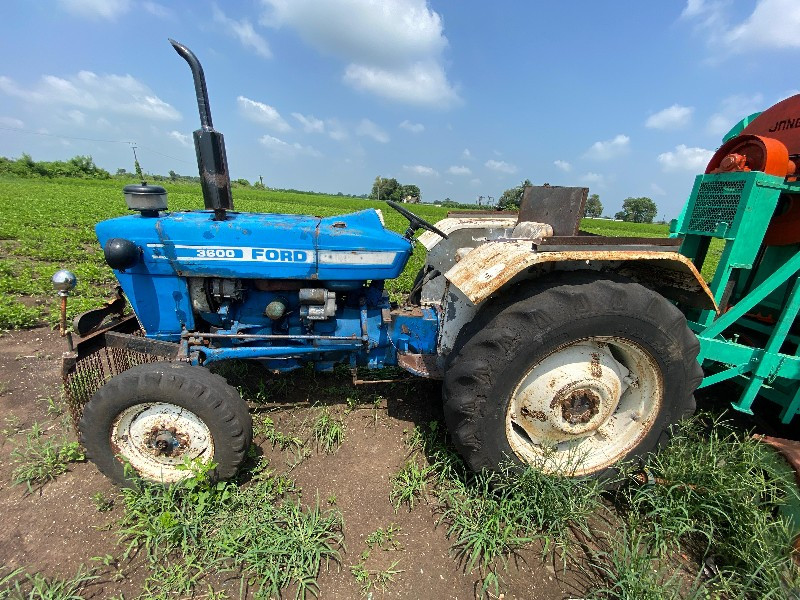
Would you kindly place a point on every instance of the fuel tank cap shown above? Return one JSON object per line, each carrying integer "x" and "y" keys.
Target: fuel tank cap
{"x": 147, "y": 199}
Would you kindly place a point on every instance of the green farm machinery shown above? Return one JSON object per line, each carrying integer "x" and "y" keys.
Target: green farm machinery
{"x": 745, "y": 211}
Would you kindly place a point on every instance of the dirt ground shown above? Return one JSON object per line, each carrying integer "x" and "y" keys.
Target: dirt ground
{"x": 59, "y": 528}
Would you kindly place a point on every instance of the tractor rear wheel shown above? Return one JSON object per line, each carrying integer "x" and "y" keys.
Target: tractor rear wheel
{"x": 570, "y": 375}
{"x": 159, "y": 415}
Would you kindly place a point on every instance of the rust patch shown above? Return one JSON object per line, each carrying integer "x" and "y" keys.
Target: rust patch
{"x": 423, "y": 365}
{"x": 578, "y": 406}
{"x": 595, "y": 369}
{"x": 163, "y": 441}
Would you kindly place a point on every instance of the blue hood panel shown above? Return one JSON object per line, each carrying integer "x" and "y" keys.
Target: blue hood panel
{"x": 354, "y": 247}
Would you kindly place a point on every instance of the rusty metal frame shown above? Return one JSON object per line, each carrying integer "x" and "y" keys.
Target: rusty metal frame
{"x": 489, "y": 267}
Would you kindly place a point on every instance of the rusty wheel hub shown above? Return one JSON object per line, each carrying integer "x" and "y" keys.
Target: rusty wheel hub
{"x": 584, "y": 405}
{"x": 157, "y": 438}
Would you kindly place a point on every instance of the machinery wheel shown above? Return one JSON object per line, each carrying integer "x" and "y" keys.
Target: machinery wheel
{"x": 570, "y": 375}
{"x": 157, "y": 415}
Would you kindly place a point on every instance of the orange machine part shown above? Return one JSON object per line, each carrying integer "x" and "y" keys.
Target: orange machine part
{"x": 752, "y": 153}
{"x": 780, "y": 122}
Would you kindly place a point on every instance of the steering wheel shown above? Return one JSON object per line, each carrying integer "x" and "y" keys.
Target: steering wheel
{"x": 415, "y": 222}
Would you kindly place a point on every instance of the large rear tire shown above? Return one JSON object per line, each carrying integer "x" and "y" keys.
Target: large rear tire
{"x": 158, "y": 415}
{"x": 571, "y": 375}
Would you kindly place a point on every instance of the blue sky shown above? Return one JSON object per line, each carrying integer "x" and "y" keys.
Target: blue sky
{"x": 463, "y": 98}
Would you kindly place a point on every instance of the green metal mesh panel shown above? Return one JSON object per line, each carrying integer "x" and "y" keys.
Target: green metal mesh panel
{"x": 717, "y": 201}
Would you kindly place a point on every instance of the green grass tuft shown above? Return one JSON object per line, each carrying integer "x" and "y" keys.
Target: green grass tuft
{"x": 327, "y": 431}
{"x": 39, "y": 459}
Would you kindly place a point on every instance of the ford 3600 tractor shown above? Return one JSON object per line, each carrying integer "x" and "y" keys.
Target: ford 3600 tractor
{"x": 562, "y": 350}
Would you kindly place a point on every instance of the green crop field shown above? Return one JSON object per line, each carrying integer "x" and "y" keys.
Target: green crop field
{"x": 49, "y": 224}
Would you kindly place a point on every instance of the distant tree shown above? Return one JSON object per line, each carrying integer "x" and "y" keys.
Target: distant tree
{"x": 638, "y": 210}
{"x": 511, "y": 198}
{"x": 594, "y": 208}
{"x": 242, "y": 183}
{"x": 173, "y": 175}
{"x": 385, "y": 189}
{"x": 620, "y": 216}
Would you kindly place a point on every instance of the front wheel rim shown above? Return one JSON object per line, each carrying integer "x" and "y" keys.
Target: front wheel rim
{"x": 157, "y": 438}
{"x": 584, "y": 406}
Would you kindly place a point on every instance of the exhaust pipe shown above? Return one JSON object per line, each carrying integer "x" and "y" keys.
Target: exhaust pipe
{"x": 209, "y": 145}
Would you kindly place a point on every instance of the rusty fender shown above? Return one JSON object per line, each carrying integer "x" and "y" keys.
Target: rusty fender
{"x": 487, "y": 268}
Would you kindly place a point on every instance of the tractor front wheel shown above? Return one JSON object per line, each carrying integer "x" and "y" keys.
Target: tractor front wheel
{"x": 158, "y": 416}
{"x": 570, "y": 375}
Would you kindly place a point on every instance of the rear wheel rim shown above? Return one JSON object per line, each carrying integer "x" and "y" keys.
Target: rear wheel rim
{"x": 158, "y": 438}
{"x": 584, "y": 406}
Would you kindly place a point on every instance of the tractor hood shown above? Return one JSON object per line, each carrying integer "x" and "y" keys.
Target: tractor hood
{"x": 353, "y": 247}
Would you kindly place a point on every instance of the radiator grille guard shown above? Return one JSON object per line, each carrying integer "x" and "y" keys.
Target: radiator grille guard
{"x": 716, "y": 202}
{"x": 93, "y": 363}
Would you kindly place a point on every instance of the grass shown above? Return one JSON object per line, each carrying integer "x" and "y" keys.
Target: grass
{"x": 409, "y": 484}
{"x": 260, "y": 529}
{"x": 327, "y": 431}
{"x": 368, "y": 572}
{"x": 490, "y": 516}
{"x": 19, "y": 585}
{"x": 39, "y": 459}
{"x": 722, "y": 501}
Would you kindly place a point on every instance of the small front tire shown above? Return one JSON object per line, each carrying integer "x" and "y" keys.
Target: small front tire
{"x": 157, "y": 416}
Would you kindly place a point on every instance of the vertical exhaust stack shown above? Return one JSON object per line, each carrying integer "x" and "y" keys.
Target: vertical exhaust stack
{"x": 208, "y": 144}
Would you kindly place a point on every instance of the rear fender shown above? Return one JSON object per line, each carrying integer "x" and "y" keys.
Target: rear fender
{"x": 487, "y": 270}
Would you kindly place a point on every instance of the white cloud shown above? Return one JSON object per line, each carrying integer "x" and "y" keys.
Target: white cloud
{"x": 11, "y": 122}
{"x": 157, "y": 10}
{"x": 608, "y": 149}
{"x": 310, "y": 123}
{"x": 418, "y": 83}
{"x": 412, "y": 127}
{"x": 421, "y": 170}
{"x": 672, "y": 117}
{"x": 563, "y": 165}
{"x": 501, "y": 166}
{"x": 773, "y": 24}
{"x": 120, "y": 94}
{"x": 258, "y": 112}
{"x": 97, "y": 9}
{"x": 181, "y": 138}
{"x": 244, "y": 32}
{"x": 77, "y": 117}
{"x": 466, "y": 153}
{"x": 393, "y": 48}
{"x": 280, "y": 149}
{"x": 732, "y": 110}
{"x": 657, "y": 190}
{"x": 459, "y": 170}
{"x": 475, "y": 181}
{"x": 336, "y": 130}
{"x": 369, "y": 129}
{"x": 595, "y": 178}
{"x": 685, "y": 158}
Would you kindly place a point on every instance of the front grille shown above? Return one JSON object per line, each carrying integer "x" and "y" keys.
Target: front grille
{"x": 93, "y": 370}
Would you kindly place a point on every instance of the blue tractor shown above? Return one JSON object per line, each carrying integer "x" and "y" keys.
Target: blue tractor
{"x": 556, "y": 349}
